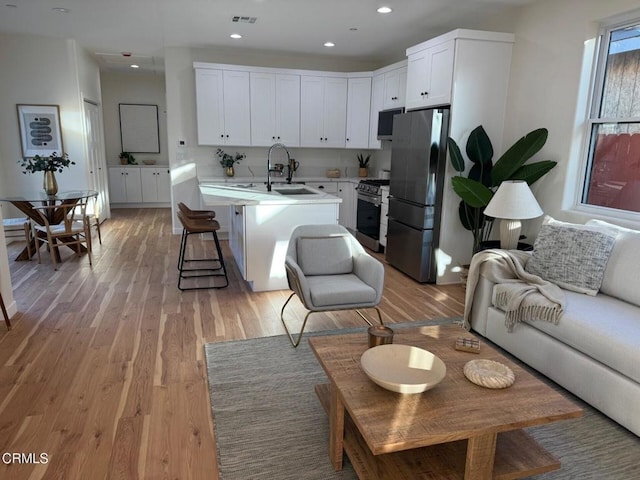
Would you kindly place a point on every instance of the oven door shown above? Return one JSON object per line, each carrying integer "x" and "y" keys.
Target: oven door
{"x": 368, "y": 220}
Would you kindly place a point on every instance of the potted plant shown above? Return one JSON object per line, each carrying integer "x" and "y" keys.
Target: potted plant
{"x": 127, "y": 158}
{"x": 228, "y": 161}
{"x": 484, "y": 178}
{"x": 49, "y": 165}
{"x": 363, "y": 163}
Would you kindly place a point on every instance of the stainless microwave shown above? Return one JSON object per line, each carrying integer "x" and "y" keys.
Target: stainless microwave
{"x": 385, "y": 122}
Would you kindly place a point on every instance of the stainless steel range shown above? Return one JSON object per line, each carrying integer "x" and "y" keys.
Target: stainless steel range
{"x": 368, "y": 213}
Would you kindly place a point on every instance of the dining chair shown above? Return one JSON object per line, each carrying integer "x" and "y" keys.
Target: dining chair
{"x": 93, "y": 216}
{"x": 329, "y": 270}
{"x": 18, "y": 228}
{"x": 73, "y": 231}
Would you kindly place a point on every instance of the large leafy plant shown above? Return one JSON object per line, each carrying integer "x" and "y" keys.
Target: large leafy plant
{"x": 484, "y": 178}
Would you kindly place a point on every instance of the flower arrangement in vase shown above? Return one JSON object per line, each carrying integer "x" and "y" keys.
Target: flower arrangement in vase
{"x": 228, "y": 161}
{"x": 49, "y": 165}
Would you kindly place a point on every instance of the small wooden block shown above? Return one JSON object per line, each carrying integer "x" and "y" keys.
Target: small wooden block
{"x": 466, "y": 344}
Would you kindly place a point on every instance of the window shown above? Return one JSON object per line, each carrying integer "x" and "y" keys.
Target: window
{"x": 613, "y": 169}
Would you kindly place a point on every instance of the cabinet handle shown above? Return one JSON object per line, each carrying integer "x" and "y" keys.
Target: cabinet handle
{"x": 227, "y": 135}
{"x": 321, "y": 187}
{"x": 325, "y": 139}
{"x": 273, "y": 138}
{"x": 278, "y": 138}
{"x": 347, "y": 139}
{"x": 222, "y": 135}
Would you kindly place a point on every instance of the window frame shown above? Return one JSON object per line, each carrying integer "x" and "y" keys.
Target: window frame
{"x": 596, "y": 94}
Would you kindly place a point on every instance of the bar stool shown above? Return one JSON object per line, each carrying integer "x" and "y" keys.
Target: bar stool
{"x": 197, "y": 214}
{"x": 191, "y": 226}
{"x": 4, "y": 312}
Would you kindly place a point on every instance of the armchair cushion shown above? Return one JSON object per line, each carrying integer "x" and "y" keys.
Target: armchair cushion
{"x": 329, "y": 255}
{"x": 340, "y": 290}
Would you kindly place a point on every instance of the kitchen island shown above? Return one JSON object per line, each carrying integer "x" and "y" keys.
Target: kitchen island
{"x": 262, "y": 223}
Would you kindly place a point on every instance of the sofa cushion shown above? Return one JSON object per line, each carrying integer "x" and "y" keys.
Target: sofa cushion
{"x": 621, "y": 275}
{"x": 340, "y": 290}
{"x": 325, "y": 255}
{"x": 571, "y": 256}
{"x": 602, "y": 327}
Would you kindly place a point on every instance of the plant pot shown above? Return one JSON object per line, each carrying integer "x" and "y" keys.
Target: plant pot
{"x": 363, "y": 172}
{"x": 230, "y": 171}
{"x": 124, "y": 161}
{"x": 49, "y": 183}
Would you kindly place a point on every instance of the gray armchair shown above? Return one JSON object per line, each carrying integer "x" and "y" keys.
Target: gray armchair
{"x": 329, "y": 270}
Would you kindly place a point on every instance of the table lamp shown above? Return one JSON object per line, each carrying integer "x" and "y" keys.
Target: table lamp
{"x": 512, "y": 202}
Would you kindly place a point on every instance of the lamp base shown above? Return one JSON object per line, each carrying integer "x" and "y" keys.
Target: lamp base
{"x": 509, "y": 234}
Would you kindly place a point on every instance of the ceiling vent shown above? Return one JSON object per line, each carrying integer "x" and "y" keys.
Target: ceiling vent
{"x": 244, "y": 19}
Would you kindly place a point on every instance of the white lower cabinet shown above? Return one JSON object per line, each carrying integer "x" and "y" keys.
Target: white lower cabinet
{"x": 326, "y": 187}
{"x": 136, "y": 185}
{"x": 125, "y": 185}
{"x": 236, "y": 237}
{"x": 349, "y": 206}
{"x": 156, "y": 185}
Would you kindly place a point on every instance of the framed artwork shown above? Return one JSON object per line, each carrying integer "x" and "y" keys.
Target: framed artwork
{"x": 40, "y": 130}
{"x": 139, "y": 128}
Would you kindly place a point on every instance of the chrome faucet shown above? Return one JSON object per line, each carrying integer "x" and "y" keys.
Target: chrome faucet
{"x": 269, "y": 169}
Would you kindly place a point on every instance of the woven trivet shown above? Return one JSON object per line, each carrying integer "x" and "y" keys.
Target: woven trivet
{"x": 489, "y": 374}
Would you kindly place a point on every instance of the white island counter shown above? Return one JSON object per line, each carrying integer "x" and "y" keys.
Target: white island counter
{"x": 262, "y": 223}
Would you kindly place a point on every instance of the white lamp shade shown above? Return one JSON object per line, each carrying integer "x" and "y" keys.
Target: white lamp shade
{"x": 514, "y": 200}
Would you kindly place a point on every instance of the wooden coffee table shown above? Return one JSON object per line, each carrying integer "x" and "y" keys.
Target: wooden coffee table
{"x": 455, "y": 430}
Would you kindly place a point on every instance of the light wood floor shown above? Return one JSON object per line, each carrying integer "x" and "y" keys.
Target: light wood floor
{"x": 104, "y": 371}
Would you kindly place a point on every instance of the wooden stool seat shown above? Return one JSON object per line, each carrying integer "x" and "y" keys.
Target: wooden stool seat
{"x": 198, "y": 214}
{"x": 196, "y": 226}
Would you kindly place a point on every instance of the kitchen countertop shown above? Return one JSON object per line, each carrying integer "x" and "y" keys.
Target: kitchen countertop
{"x": 262, "y": 180}
{"x": 248, "y": 193}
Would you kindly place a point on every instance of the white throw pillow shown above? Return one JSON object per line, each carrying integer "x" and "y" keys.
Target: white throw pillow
{"x": 621, "y": 275}
{"x": 572, "y": 256}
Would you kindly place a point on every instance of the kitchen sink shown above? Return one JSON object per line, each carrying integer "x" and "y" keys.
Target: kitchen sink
{"x": 294, "y": 191}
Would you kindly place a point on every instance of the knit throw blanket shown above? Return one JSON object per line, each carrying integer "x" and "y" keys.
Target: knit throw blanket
{"x": 520, "y": 294}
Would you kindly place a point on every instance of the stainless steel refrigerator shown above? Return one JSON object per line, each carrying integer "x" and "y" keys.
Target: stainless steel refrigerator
{"x": 418, "y": 160}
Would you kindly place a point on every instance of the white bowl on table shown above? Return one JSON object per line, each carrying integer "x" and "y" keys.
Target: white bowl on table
{"x": 403, "y": 368}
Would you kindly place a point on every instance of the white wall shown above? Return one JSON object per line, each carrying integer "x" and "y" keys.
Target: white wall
{"x": 552, "y": 39}
{"x": 41, "y": 71}
{"x": 132, "y": 88}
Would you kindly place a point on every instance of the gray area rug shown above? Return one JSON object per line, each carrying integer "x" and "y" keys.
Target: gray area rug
{"x": 269, "y": 423}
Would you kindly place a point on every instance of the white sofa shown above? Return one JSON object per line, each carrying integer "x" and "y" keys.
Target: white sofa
{"x": 594, "y": 349}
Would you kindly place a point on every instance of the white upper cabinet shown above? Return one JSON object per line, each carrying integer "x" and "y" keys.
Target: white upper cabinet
{"x": 323, "y": 111}
{"x": 430, "y": 74}
{"x": 275, "y": 109}
{"x": 223, "y": 107}
{"x": 377, "y": 101}
{"x": 358, "y": 112}
{"x": 395, "y": 84}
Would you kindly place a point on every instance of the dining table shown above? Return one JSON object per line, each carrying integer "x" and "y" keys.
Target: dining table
{"x": 27, "y": 200}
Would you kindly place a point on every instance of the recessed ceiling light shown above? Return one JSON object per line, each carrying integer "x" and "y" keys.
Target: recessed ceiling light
{"x": 329, "y": 44}
{"x": 135, "y": 66}
{"x": 235, "y": 35}
{"x": 61, "y": 10}
{"x": 384, "y": 10}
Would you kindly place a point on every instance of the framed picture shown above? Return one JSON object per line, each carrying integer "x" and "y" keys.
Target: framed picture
{"x": 139, "y": 128}
{"x": 40, "y": 130}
